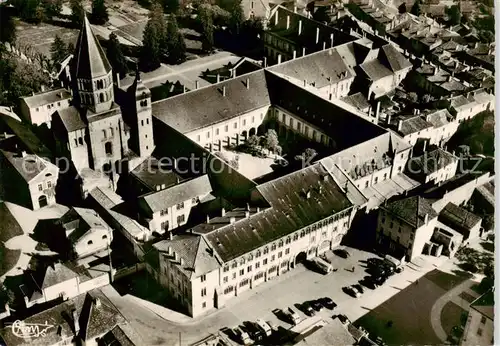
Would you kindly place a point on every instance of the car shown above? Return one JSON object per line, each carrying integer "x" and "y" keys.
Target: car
{"x": 341, "y": 253}
{"x": 307, "y": 309}
{"x": 328, "y": 303}
{"x": 358, "y": 288}
{"x": 399, "y": 269}
{"x": 379, "y": 280}
{"x": 369, "y": 282}
{"x": 242, "y": 336}
{"x": 264, "y": 327}
{"x": 274, "y": 326}
{"x": 377, "y": 271}
{"x": 293, "y": 316}
{"x": 374, "y": 262}
{"x": 352, "y": 292}
{"x": 253, "y": 330}
{"x": 316, "y": 305}
{"x": 343, "y": 319}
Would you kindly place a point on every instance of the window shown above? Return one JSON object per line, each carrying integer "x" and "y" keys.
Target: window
{"x": 180, "y": 206}
{"x": 108, "y": 148}
{"x": 242, "y": 271}
{"x": 280, "y": 244}
{"x": 273, "y": 247}
{"x": 295, "y": 236}
{"x": 228, "y": 290}
{"x": 264, "y": 262}
{"x": 234, "y": 276}
{"x": 249, "y": 268}
{"x": 258, "y": 276}
{"x": 226, "y": 279}
{"x": 251, "y": 5}
{"x": 234, "y": 265}
{"x": 253, "y": 118}
{"x": 226, "y": 269}
{"x": 37, "y": 109}
{"x": 385, "y": 176}
{"x": 287, "y": 251}
{"x": 284, "y": 264}
{"x": 280, "y": 254}
{"x": 244, "y": 282}
{"x": 203, "y": 278}
{"x": 375, "y": 180}
{"x": 483, "y": 319}
{"x": 203, "y": 292}
{"x": 244, "y": 122}
{"x": 235, "y": 125}
{"x": 204, "y": 305}
{"x": 80, "y": 140}
{"x": 272, "y": 258}
{"x": 288, "y": 240}
{"x": 216, "y": 132}
{"x": 366, "y": 183}
{"x": 198, "y": 138}
{"x": 147, "y": 120}
{"x": 480, "y": 332}
{"x": 266, "y": 250}
{"x": 40, "y": 187}
{"x": 257, "y": 254}
{"x": 180, "y": 218}
{"x": 105, "y": 237}
{"x": 208, "y": 134}
{"x": 257, "y": 265}
{"x": 90, "y": 242}
{"x": 142, "y": 122}
{"x": 226, "y": 128}
{"x": 104, "y": 133}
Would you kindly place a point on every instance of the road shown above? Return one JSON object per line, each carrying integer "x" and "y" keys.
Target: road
{"x": 296, "y": 286}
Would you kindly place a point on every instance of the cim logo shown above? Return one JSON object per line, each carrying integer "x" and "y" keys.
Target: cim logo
{"x": 30, "y": 330}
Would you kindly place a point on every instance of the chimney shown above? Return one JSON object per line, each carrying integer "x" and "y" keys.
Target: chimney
{"x": 117, "y": 80}
{"x": 414, "y": 111}
{"x": 258, "y": 209}
{"x": 279, "y": 59}
{"x": 287, "y": 22}
{"x": 145, "y": 237}
{"x": 264, "y": 62}
{"x": 428, "y": 117}
{"x": 303, "y": 51}
{"x": 170, "y": 236}
{"x": 276, "y": 18}
{"x": 377, "y": 112}
{"x": 324, "y": 45}
{"x": 308, "y": 194}
{"x": 196, "y": 84}
{"x": 169, "y": 251}
{"x": 97, "y": 302}
{"x": 224, "y": 90}
{"x": 295, "y": 9}
{"x": 317, "y": 35}
{"x": 208, "y": 219}
{"x": 175, "y": 256}
{"x": 425, "y": 146}
{"x": 436, "y": 71}
{"x": 388, "y": 120}
{"x": 76, "y": 323}
{"x": 294, "y": 54}
{"x": 23, "y": 153}
{"x": 42, "y": 87}
{"x": 448, "y": 79}
{"x": 182, "y": 261}
{"x": 223, "y": 212}
{"x": 232, "y": 220}
{"x": 305, "y": 83}
{"x": 426, "y": 219}
{"x": 247, "y": 214}
{"x": 300, "y": 27}
{"x": 400, "y": 125}
{"x": 248, "y": 83}
{"x": 184, "y": 89}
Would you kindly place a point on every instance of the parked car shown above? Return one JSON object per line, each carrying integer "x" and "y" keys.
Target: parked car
{"x": 328, "y": 303}
{"x": 341, "y": 253}
{"x": 306, "y": 308}
{"x": 264, "y": 327}
{"x": 399, "y": 269}
{"x": 379, "y": 280}
{"x": 343, "y": 319}
{"x": 274, "y": 326}
{"x": 352, "y": 292}
{"x": 358, "y": 288}
{"x": 369, "y": 282}
{"x": 316, "y": 305}
{"x": 293, "y": 316}
{"x": 378, "y": 271}
{"x": 242, "y": 336}
{"x": 253, "y": 330}
{"x": 374, "y": 262}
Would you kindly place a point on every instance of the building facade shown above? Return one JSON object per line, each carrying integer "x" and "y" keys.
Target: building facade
{"x": 480, "y": 322}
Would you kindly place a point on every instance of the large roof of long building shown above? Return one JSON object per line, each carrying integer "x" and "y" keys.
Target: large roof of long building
{"x": 46, "y": 98}
{"x": 297, "y": 200}
{"x": 90, "y": 60}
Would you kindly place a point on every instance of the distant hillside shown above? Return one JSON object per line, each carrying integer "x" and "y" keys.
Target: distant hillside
{"x": 478, "y": 133}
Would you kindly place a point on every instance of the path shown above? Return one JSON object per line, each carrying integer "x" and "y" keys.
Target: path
{"x": 450, "y": 296}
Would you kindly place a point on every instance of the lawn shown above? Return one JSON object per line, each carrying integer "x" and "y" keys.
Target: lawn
{"x": 409, "y": 311}
{"x": 450, "y": 316}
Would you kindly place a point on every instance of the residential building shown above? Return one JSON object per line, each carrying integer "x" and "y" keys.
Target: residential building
{"x": 38, "y": 109}
{"x": 433, "y": 166}
{"x": 479, "y": 327}
{"x": 170, "y": 207}
{"x": 289, "y": 35}
{"x": 481, "y": 54}
{"x": 461, "y": 220}
{"x": 86, "y": 232}
{"x": 466, "y": 106}
{"x": 436, "y": 81}
{"x": 405, "y": 226}
{"x": 256, "y": 8}
{"x": 83, "y": 319}
{"x": 27, "y": 179}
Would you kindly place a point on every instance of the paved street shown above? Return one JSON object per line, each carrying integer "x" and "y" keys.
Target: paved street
{"x": 297, "y": 286}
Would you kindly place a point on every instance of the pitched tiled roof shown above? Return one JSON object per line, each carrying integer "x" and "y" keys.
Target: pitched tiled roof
{"x": 46, "y": 98}
{"x": 176, "y": 194}
{"x": 90, "y": 60}
{"x": 412, "y": 210}
{"x": 440, "y": 118}
{"x": 375, "y": 70}
{"x": 209, "y": 106}
{"x": 106, "y": 197}
{"x": 411, "y": 125}
{"x": 395, "y": 59}
{"x": 56, "y": 274}
{"x": 70, "y": 118}
{"x": 431, "y": 162}
{"x": 457, "y": 217}
{"x": 89, "y": 217}
{"x": 357, "y": 100}
{"x": 195, "y": 252}
{"x": 321, "y": 68}
{"x": 29, "y": 166}
{"x": 150, "y": 174}
{"x": 291, "y": 210}
{"x": 95, "y": 312}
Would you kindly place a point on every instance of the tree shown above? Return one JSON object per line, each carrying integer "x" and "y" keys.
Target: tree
{"x": 77, "y": 12}
{"x": 306, "y": 157}
{"x": 154, "y": 40}
{"x": 58, "y": 50}
{"x": 236, "y": 16}
{"x": 321, "y": 15}
{"x": 271, "y": 141}
{"x": 235, "y": 162}
{"x": 207, "y": 27}
{"x": 8, "y": 27}
{"x": 52, "y": 8}
{"x": 99, "y": 12}
{"x": 454, "y": 14}
{"x": 426, "y": 98}
{"x": 32, "y": 11}
{"x": 115, "y": 55}
{"x": 253, "y": 141}
{"x": 176, "y": 47}
{"x": 413, "y": 97}
{"x": 402, "y": 8}
{"x": 416, "y": 8}
{"x": 71, "y": 48}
